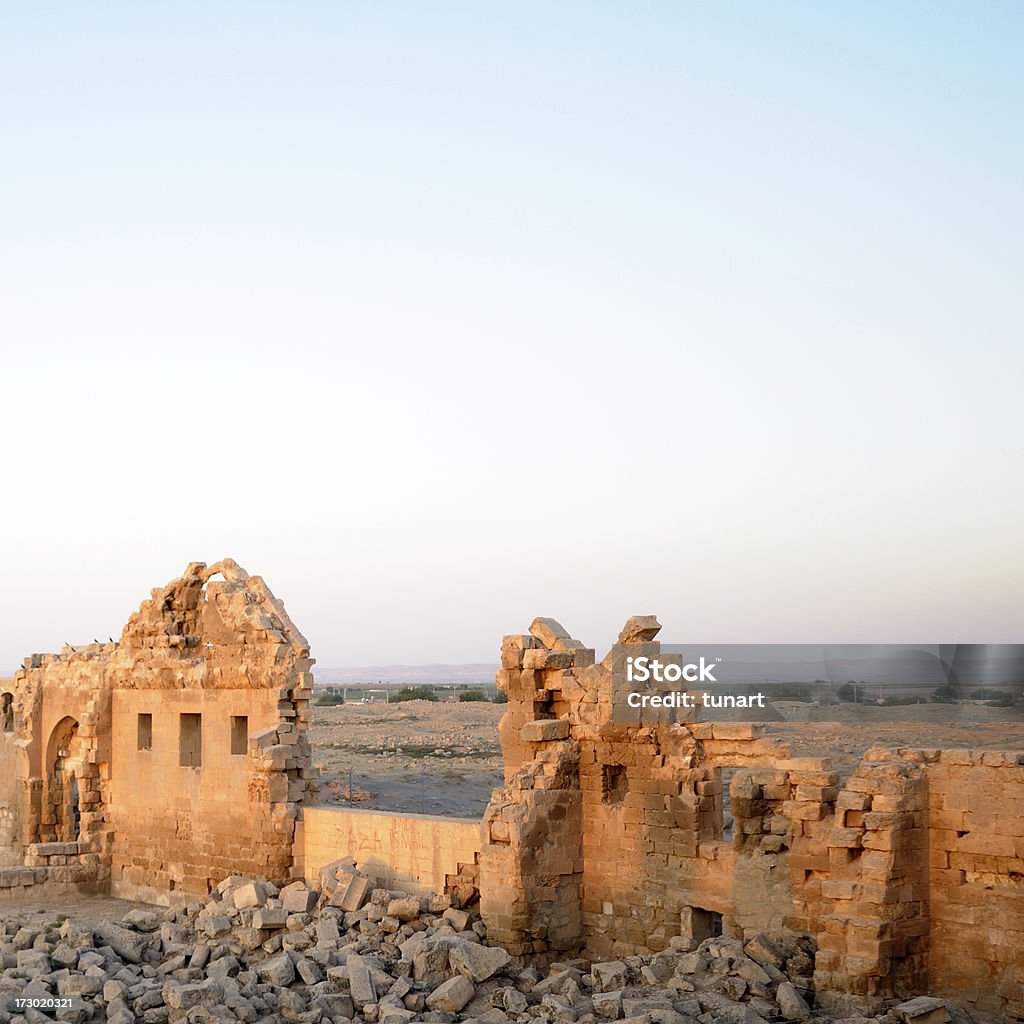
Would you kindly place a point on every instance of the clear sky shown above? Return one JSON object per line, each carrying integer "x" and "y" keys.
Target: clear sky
{"x": 443, "y": 316}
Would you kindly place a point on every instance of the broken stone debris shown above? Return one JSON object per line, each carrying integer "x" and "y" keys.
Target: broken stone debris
{"x": 344, "y": 949}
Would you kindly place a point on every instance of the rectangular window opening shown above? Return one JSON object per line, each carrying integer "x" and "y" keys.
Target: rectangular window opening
{"x": 190, "y": 741}
{"x": 699, "y": 924}
{"x": 239, "y": 734}
{"x": 145, "y": 732}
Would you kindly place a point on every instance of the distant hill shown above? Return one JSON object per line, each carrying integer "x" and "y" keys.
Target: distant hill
{"x": 482, "y": 672}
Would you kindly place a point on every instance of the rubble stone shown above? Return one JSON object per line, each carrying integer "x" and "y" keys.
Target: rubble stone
{"x": 452, "y": 995}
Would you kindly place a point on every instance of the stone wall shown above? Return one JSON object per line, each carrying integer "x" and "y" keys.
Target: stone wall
{"x": 416, "y": 853}
{"x": 12, "y": 849}
{"x": 177, "y": 755}
{"x": 976, "y": 857}
{"x": 610, "y": 837}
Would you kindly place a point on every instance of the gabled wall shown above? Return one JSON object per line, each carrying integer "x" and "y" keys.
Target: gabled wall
{"x": 143, "y": 824}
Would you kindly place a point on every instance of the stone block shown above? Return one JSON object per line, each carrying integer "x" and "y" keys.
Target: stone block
{"x": 544, "y": 730}
{"x": 477, "y": 962}
{"x": 639, "y": 629}
{"x": 608, "y": 1005}
{"x": 360, "y": 982}
{"x": 610, "y": 976}
{"x": 452, "y": 995}
{"x": 351, "y": 896}
{"x": 278, "y": 971}
{"x": 404, "y": 908}
{"x": 252, "y": 894}
{"x": 267, "y": 918}
{"x": 792, "y": 1005}
{"x": 922, "y": 1010}
{"x": 299, "y": 900}
{"x": 547, "y": 631}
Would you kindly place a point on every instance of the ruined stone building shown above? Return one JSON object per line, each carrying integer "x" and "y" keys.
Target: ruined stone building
{"x": 161, "y": 763}
{"x": 909, "y": 876}
{"x": 155, "y": 767}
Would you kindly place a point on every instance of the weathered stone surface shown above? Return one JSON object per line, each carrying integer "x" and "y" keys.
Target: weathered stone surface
{"x": 548, "y": 631}
{"x": 609, "y": 977}
{"x": 639, "y": 629}
{"x": 458, "y": 919}
{"x": 278, "y": 971}
{"x": 252, "y": 894}
{"x": 430, "y": 961}
{"x": 544, "y": 730}
{"x": 127, "y": 944}
{"x": 299, "y": 900}
{"x": 791, "y": 1004}
{"x": 477, "y": 962}
{"x": 452, "y": 995}
{"x": 142, "y": 920}
{"x": 608, "y": 1005}
{"x": 763, "y": 950}
{"x": 353, "y": 894}
{"x": 270, "y": 917}
{"x": 405, "y": 908}
{"x": 923, "y": 1010}
{"x": 360, "y": 982}
{"x": 186, "y": 695}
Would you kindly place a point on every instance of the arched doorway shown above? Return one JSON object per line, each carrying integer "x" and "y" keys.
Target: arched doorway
{"x": 65, "y": 760}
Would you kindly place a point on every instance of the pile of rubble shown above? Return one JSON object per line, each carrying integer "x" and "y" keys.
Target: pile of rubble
{"x": 348, "y": 950}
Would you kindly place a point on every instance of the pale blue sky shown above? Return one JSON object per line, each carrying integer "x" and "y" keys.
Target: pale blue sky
{"x": 443, "y": 316}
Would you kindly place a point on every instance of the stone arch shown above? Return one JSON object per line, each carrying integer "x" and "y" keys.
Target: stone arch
{"x": 65, "y": 768}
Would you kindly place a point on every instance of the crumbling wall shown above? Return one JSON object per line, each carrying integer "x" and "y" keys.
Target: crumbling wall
{"x": 976, "y": 857}
{"x": 12, "y": 848}
{"x": 908, "y": 878}
{"x": 531, "y": 880}
{"x": 177, "y": 755}
{"x": 876, "y": 934}
{"x": 649, "y": 859}
{"x": 418, "y": 853}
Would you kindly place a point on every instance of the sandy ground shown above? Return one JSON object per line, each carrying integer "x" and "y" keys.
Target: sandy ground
{"x": 417, "y": 757}
{"x": 943, "y": 726}
{"x": 31, "y": 909}
{"x": 441, "y": 758}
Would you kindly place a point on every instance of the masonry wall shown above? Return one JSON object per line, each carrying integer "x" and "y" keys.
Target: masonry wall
{"x": 608, "y": 836}
{"x": 12, "y": 848}
{"x": 976, "y": 856}
{"x": 96, "y": 810}
{"x": 208, "y": 821}
{"x": 417, "y": 853}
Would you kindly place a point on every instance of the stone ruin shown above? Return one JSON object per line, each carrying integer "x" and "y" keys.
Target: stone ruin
{"x": 160, "y": 764}
{"x": 700, "y": 862}
{"x": 608, "y": 837}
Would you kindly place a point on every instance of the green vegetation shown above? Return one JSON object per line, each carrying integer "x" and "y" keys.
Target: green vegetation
{"x": 329, "y": 700}
{"x": 854, "y": 693}
{"x": 991, "y": 694}
{"x": 472, "y": 695}
{"x": 791, "y": 691}
{"x": 945, "y": 694}
{"x": 413, "y": 693}
{"x": 501, "y": 697}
